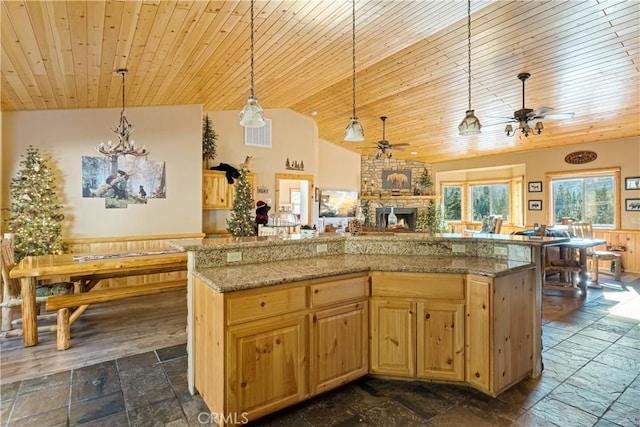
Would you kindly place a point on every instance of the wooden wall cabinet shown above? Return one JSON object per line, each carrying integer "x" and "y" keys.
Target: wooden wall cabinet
{"x": 217, "y": 193}
{"x": 417, "y": 325}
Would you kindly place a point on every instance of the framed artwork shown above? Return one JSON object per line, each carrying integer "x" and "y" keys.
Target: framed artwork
{"x": 535, "y": 186}
{"x": 632, "y": 205}
{"x": 535, "y": 205}
{"x": 632, "y": 183}
{"x": 396, "y": 179}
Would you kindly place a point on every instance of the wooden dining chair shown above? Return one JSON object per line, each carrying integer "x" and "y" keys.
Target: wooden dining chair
{"x": 10, "y": 298}
{"x": 11, "y": 301}
{"x": 584, "y": 230}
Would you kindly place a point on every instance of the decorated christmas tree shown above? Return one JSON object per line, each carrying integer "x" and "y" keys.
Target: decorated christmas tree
{"x": 209, "y": 137}
{"x": 35, "y": 214}
{"x": 240, "y": 224}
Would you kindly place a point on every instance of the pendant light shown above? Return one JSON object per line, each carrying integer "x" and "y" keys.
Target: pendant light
{"x": 354, "y": 131}
{"x": 470, "y": 124}
{"x": 252, "y": 115}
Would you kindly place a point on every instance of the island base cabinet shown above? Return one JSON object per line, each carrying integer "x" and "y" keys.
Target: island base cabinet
{"x": 393, "y": 337}
{"x": 339, "y": 344}
{"x": 266, "y": 367}
{"x": 440, "y": 341}
{"x": 499, "y": 331}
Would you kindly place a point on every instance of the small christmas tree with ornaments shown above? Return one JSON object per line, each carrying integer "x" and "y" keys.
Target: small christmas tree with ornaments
{"x": 240, "y": 224}
{"x": 35, "y": 213}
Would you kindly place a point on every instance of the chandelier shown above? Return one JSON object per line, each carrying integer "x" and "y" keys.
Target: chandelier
{"x": 470, "y": 125}
{"x": 123, "y": 131}
{"x": 252, "y": 115}
{"x": 354, "y": 131}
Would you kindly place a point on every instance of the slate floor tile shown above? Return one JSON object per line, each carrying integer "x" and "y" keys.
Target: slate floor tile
{"x": 164, "y": 412}
{"x": 589, "y": 400}
{"x": 562, "y": 414}
{"x": 56, "y": 417}
{"x": 97, "y": 408}
{"x": 623, "y": 415}
{"x": 41, "y": 400}
{"x": 173, "y": 352}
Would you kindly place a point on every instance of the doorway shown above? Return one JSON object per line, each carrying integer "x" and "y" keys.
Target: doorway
{"x": 294, "y": 193}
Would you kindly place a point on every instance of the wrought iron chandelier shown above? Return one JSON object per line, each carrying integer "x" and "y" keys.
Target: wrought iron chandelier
{"x": 123, "y": 131}
{"x": 354, "y": 131}
{"x": 252, "y": 115}
{"x": 470, "y": 125}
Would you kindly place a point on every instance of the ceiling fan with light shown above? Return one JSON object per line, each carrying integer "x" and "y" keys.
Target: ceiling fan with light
{"x": 385, "y": 149}
{"x": 526, "y": 117}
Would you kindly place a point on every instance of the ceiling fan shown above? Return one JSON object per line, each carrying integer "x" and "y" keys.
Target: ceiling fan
{"x": 526, "y": 117}
{"x": 384, "y": 147}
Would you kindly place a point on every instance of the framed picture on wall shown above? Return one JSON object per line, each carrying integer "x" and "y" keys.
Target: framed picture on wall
{"x": 535, "y": 205}
{"x": 632, "y": 183}
{"x": 535, "y": 187}
{"x": 632, "y": 205}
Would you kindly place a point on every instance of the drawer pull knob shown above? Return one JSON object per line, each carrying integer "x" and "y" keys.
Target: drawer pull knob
{"x": 262, "y": 304}
{"x": 427, "y": 316}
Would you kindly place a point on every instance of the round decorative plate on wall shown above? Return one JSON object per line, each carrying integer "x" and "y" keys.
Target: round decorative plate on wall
{"x": 580, "y": 157}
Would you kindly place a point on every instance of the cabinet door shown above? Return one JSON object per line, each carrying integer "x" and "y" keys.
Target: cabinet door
{"x": 478, "y": 333}
{"x": 393, "y": 337}
{"x": 440, "y": 340}
{"x": 266, "y": 368}
{"x": 215, "y": 190}
{"x": 339, "y": 338}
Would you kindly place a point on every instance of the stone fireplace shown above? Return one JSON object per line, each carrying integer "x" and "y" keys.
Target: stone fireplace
{"x": 406, "y": 216}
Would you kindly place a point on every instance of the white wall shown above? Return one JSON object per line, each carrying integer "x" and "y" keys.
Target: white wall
{"x": 616, "y": 153}
{"x": 171, "y": 134}
{"x": 294, "y": 136}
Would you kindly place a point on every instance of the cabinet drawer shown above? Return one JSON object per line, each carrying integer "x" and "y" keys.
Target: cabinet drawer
{"x": 339, "y": 290}
{"x": 258, "y": 305}
{"x": 418, "y": 285}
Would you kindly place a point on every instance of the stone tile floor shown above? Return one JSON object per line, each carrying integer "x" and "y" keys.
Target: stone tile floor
{"x": 591, "y": 378}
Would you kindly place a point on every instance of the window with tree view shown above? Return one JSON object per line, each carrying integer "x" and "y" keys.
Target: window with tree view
{"x": 452, "y": 196}
{"x": 489, "y": 199}
{"x": 585, "y": 198}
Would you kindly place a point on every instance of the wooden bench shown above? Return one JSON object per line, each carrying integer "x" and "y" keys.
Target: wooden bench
{"x": 64, "y": 303}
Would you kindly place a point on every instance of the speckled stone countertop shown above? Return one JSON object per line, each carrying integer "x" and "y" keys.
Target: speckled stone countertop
{"x": 248, "y": 276}
{"x": 230, "y": 263}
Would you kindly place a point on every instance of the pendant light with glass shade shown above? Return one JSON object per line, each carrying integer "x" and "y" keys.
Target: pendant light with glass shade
{"x": 354, "y": 131}
{"x": 470, "y": 124}
{"x": 252, "y": 115}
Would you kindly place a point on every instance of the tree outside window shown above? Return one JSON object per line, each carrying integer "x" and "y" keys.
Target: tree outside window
{"x": 489, "y": 199}
{"x": 584, "y": 198}
{"x": 452, "y": 197}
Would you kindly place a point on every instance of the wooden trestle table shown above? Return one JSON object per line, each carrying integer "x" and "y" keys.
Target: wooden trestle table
{"x": 87, "y": 271}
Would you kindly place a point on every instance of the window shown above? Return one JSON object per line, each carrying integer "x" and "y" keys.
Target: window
{"x": 489, "y": 199}
{"x": 471, "y": 201}
{"x": 585, "y": 196}
{"x": 452, "y": 197}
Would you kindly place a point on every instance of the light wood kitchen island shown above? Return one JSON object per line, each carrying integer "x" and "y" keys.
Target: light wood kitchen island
{"x": 297, "y": 317}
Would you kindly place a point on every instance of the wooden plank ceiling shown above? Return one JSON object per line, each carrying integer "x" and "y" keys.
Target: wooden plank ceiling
{"x": 411, "y": 60}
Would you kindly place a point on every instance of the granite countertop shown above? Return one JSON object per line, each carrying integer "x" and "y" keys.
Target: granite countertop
{"x": 244, "y": 242}
{"x": 249, "y": 276}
